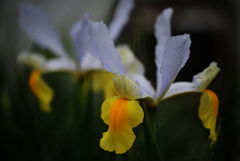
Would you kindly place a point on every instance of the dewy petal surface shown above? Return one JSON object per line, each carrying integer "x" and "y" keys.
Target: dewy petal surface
{"x": 101, "y": 46}
{"x": 37, "y": 25}
{"x": 126, "y": 87}
{"x": 176, "y": 53}
{"x": 162, "y": 34}
{"x": 121, "y": 16}
{"x": 121, "y": 115}
{"x": 208, "y": 111}
{"x": 41, "y": 90}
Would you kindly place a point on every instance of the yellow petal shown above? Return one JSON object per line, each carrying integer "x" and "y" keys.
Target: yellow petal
{"x": 41, "y": 90}
{"x": 100, "y": 79}
{"x": 126, "y": 87}
{"x": 103, "y": 81}
{"x": 109, "y": 90}
{"x": 208, "y": 111}
{"x": 121, "y": 115}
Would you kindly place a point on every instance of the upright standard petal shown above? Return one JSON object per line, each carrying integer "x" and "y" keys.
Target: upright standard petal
{"x": 121, "y": 17}
{"x": 41, "y": 90}
{"x": 89, "y": 62}
{"x": 80, "y": 38}
{"x": 37, "y": 25}
{"x": 121, "y": 115}
{"x": 162, "y": 34}
{"x": 208, "y": 111}
{"x": 176, "y": 53}
{"x": 101, "y": 46}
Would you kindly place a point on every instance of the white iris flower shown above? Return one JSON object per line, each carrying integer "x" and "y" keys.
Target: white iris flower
{"x": 123, "y": 112}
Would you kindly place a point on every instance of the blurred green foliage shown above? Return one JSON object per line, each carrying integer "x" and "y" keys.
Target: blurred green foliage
{"x": 73, "y": 129}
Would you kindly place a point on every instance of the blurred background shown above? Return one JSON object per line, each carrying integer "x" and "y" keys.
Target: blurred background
{"x": 213, "y": 26}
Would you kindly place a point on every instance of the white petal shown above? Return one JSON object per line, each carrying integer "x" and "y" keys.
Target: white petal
{"x": 89, "y": 62}
{"x": 101, "y": 46}
{"x": 202, "y": 80}
{"x": 180, "y": 87}
{"x": 126, "y": 55}
{"x": 37, "y": 25}
{"x": 146, "y": 88}
{"x": 136, "y": 68}
{"x": 199, "y": 83}
{"x": 131, "y": 63}
{"x": 162, "y": 33}
{"x": 176, "y": 53}
{"x": 60, "y": 64}
{"x": 121, "y": 17}
{"x": 31, "y": 59}
{"x": 80, "y": 37}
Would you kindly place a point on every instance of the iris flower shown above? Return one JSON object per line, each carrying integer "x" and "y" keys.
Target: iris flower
{"x": 123, "y": 112}
{"x": 102, "y": 81}
{"x": 40, "y": 29}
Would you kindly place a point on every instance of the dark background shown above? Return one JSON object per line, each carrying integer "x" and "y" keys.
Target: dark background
{"x": 213, "y": 26}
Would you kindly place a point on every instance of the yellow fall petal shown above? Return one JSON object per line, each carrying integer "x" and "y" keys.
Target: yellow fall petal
{"x": 208, "y": 111}
{"x": 41, "y": 90}
{"x": 121, "y": 115}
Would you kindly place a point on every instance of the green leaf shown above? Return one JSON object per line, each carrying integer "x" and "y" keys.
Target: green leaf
{"x": 180, "y": 133}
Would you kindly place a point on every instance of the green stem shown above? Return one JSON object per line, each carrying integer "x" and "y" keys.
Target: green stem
{"x": 150, "y": 130}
